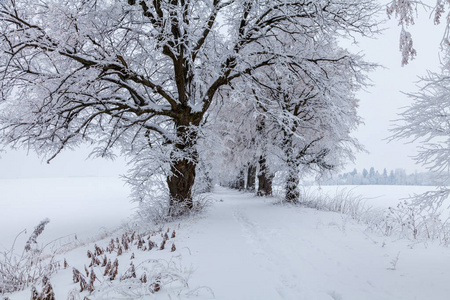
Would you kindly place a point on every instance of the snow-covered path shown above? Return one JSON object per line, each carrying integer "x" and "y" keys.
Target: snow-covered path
{"x": 247, "y": 248}
{"x": 242, "y": 247}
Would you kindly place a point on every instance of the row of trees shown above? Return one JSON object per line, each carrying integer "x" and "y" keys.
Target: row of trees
{"x": 191, "y": 92}
{"x": 184, "y": 88}
{"x": 374, "y": 177}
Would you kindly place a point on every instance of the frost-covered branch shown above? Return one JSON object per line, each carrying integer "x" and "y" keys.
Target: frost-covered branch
{"x": 142, "y": 76}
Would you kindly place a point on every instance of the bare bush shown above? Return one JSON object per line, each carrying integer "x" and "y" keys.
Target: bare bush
{"x": 21, "y": 270}
{"x": 147, "y": 277}
{"x": 156, "y": 274}
{"x": 410, "y": 221}
{"x": 343, "y": 201}
{"x": 47, "y": 291}
{"x": 160, "y": 211}
{"x": 406, "y": 220}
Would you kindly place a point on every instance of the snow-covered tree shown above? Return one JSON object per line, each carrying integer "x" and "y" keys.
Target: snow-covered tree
{"x": 312, "y": 110}
{"x": 365, "y": 173}
{"x": 405, "y": 11}
{"x": 141, "y": 75}
{"x": 391, "y": 179}
{"x": 303, "y": 113}
{"x": 240, "y": 146}
{"x": 427, "y": 121}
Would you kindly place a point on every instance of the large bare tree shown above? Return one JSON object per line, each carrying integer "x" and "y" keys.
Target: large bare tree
{"x": 141, "y": 75}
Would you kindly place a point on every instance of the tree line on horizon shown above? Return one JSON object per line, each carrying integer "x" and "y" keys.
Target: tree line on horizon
{"x": 397, "y": 176}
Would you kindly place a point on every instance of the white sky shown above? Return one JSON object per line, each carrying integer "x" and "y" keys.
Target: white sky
{"x": 378, "y": 106}
{"x": 381, "y": 103}
{"x": 19, "y": 164}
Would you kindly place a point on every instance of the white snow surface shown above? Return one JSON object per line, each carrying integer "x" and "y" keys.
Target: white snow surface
{"x": 241, "y": 248}
{"x": 253, "y": 249}
{"x": 81, "y": 206}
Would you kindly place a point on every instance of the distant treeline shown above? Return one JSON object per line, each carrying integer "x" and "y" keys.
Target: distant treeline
{"x": 371, "y": 177}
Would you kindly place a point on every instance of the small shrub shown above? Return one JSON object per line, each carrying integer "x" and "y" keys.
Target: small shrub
{"x": 79, "y": 278}
{"x": 32, "y": 240}
{"x": 155, "y": 286}
{"x": 151, "y": 245}
{"x": 410, "y": 221}
{"x": 47, "y": 291}
{"x": 114, "y": 270}
{"x": 98, "y": 251}
{"x": 143, "y": 278}
{"x": 407, "y": 220}
{"x": 163, "y": 244}
{"x": 130, "y": 273}
{"x": 158, "y": 211}
{"x": 20, "y": 270}
{"x": 92, "y": 278}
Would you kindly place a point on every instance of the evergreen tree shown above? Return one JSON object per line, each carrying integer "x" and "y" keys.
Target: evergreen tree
{"x": 365, "y": 173}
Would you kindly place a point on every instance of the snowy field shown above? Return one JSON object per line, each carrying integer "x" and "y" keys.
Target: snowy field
{"x": 242, "y": 248}
{"x": 81, "y": 206}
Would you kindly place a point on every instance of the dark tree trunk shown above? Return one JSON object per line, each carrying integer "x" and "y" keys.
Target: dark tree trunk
{"x": 264, "y": 175}
{"x": 251, "y": 178}
{"x": 240, "y": 181}
{"x": 292, "y": 182}
{"x": 181, "y": 180}
{"x": 265, "y": 178}
{"x": 180, "y": 186}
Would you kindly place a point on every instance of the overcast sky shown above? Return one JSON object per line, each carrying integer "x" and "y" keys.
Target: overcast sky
{"x": 382, "y": 102}
{"x": 378, "y": 106}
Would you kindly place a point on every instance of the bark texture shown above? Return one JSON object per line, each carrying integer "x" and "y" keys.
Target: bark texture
{"x": 265, "y": 178}
{"x": 251, "y": 178}
{"x": 184, "y": 162}
{"x": 292, "y": 182}
{"x": 292, "y": 179}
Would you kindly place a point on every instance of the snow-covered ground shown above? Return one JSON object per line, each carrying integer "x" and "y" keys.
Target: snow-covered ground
{"x": 375, "y": 195}
{"x": 242, "y": 248}
{"x": 257, "y": 250}
{"x": 81, "y": 206}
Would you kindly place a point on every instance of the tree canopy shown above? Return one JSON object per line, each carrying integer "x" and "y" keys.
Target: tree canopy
{"x": 142, "y": 76}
